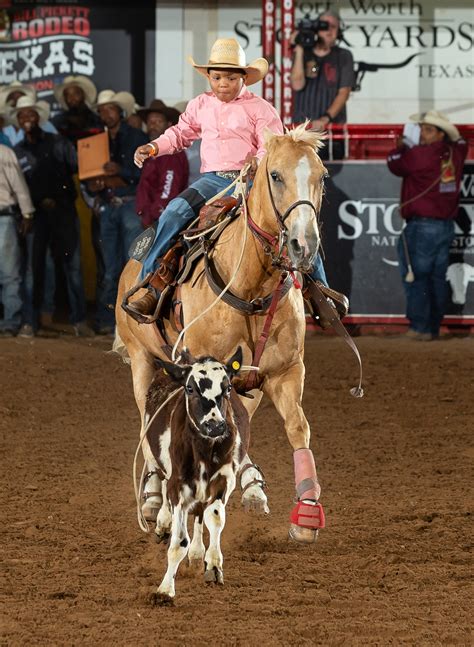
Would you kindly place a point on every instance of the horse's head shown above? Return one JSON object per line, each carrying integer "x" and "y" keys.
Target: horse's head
{"x": 295, "y": 173}
{"x": 207, "y": 387}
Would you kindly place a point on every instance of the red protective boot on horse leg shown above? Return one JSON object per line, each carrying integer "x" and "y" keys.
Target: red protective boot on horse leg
{"x": 307, "y": 517}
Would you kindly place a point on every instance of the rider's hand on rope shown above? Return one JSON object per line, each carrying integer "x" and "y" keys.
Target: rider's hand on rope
{"x": 144, "y": 152}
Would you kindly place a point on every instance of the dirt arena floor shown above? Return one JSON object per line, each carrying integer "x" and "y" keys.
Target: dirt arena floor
{"x": 391, "y": 567}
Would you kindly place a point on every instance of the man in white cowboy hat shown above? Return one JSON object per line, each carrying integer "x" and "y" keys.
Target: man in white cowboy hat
{"x": 9, "y": 95}
{"x": 15, "y": 203}
{"x": 48, "y": 162}
{"x": 432, "y": 173}
{"x": 114, "y": 196}
{"x": 75, "y": 95}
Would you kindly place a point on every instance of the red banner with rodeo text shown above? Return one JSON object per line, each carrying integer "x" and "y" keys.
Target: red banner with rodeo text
{"x": 287, "y": 24}
{"x": 42, "y": 44}
{"x": 269, "y": 35}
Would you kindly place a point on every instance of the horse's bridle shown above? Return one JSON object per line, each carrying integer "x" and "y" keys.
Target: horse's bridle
{"x": 275, "y": 246}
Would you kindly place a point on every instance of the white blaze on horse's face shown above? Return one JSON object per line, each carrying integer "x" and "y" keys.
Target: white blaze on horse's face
{"x": 296, "y": 173}
{"x": 303, "y": 234}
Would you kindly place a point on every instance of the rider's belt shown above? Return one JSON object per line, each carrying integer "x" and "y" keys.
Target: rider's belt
{"x": 228, "y": 175}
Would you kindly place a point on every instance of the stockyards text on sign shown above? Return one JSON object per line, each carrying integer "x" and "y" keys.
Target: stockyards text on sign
{"x": 408, "y": 55}
{"x": 360, "y": 230}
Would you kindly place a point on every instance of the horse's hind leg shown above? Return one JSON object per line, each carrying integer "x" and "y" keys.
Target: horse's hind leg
{"x": 286, "y": 392}
{"x": 143, "y": 370}
{"x": 251, "y": 479}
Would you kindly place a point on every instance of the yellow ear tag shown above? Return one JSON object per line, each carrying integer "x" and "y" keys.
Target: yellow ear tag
{"x": 235, "y": 365}
{"x": 165, "y": 371}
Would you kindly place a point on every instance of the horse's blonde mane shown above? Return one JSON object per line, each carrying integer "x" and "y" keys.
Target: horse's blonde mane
{"x": 299, "y": 134}
{"x": 313, "y": 138}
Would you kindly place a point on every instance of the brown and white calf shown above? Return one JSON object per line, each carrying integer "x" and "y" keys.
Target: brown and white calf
{"x": 199, "y": 440}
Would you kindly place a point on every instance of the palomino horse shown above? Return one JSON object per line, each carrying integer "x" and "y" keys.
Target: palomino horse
{"x": 289, "y": 181}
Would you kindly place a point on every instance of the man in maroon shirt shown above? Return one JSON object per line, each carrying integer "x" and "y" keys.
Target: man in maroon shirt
{"x": 162, "y": 178}
{"x": 432, "y": 173}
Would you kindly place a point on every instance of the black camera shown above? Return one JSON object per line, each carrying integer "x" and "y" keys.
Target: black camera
{"x": 308, "y": 30}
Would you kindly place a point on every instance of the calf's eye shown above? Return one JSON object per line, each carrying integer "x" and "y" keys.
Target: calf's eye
{"x": 189, "y": 389}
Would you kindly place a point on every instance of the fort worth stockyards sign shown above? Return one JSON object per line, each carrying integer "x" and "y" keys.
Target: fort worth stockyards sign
{"x": 416, "y": 54}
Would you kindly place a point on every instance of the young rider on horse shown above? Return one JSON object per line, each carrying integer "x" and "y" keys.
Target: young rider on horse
{"x": 230, "y": 121}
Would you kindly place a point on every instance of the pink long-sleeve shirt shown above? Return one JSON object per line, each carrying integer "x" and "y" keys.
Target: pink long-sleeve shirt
{"x": 228, "y": 131}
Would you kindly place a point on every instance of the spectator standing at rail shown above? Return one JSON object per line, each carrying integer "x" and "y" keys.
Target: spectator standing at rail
{"x": 16, "y": 218}
{"x": 114, "y": 196}
{"x": 162, "y": 178}
{"x": 49, "y": 162}
{"x": 432, "y": 173}
{"x": 322, "y": 77}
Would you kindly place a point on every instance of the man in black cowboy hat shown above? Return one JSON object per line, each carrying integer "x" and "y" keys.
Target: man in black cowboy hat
{"x": 163, "y": 178}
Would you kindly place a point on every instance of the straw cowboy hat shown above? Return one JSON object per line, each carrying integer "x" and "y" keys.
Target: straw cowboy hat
{"x": 440, "y": 120}
{"x": 157, "y": 105}
{"x": 123, "y": 100}
{"x": 41, "y": 107}
{"x": 16, "y": 86}
{"x": 86, "y": 85}
{"x": 226, "y": 53}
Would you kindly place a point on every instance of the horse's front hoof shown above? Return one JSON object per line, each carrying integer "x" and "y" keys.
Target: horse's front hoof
{"x": 150, "y": 508}
{"x": 306, "y": 518}
{"x": 303, "y": 535}
{"x": 255, "y": 500}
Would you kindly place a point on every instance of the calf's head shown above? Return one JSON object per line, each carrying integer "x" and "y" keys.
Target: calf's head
{"x": 207, "y": 386}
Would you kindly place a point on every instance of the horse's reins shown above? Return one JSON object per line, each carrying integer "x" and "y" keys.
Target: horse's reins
{"x": 269, "y": 243}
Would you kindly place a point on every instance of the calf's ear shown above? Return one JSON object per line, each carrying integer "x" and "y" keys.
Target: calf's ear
{"x": 177, "y": 372}
{"x": 234, "y": 364}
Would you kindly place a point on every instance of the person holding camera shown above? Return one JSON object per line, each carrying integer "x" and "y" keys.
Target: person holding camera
{"x": 322, "y": 75}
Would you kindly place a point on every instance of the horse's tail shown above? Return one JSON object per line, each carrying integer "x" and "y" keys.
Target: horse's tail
{"x": 120, "y": 348}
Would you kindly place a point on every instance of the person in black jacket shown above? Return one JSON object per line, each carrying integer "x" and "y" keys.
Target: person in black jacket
{"x": 114, "y": 195}
{"x": 49, "y": 162}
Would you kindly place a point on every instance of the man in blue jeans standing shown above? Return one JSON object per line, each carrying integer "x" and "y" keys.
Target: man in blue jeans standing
{"x": 432, "y": 173}
{"x": 114, "y": 202}
{"x": 15, "y": 202}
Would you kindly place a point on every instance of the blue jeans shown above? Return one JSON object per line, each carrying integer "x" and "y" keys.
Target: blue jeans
{"x": 428, "y": 241}
{"x": 183, "y": 210}
{"x": 40, "y": 298}
{"x": 10, "y": 274}
{"x": 119, "y": 226}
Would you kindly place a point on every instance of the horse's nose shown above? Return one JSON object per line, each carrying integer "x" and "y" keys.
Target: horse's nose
{"x": 298, "y": 250}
